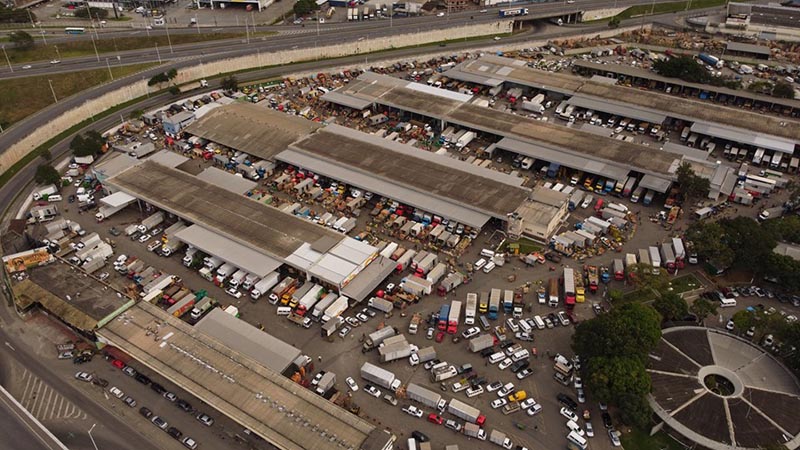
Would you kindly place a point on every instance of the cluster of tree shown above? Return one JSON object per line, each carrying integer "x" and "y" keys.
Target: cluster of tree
{"x": 47, "y": 174}
{"x": 687, "y": 69}
{"x": 163, "y": 77}
{"x": 11, "y": 15}
{"x": 743, "y": 243}
{"x": 616, "y": 346}
{"x": 780, "y": 89}
{"x": 303, "y": 7}
{"x": 692, "y": 185}
{"x": 21, "y": 40}
{"x": 92, "y": 12}
{"x": 88, "y": 144}
{"x": 614, "y": 22}
{"x": 229, "y": 83}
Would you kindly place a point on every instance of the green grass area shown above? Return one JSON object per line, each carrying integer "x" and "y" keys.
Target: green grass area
{"x": 84, "y": 47}
{"x": 638, "y": 296}
{"x": 640, "y": 440}
{"x": 25, "y": 96}
{"x": 525, "y": 246}
{"x": 662, "y": 8}
{"x": 685, "y": 283}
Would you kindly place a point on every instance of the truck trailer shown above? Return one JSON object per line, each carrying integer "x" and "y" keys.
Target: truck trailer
{"x": 472, "y": 306}
{"x": 264, "y": 285}
{"x": 379, "y": 376}
{"x": 466, "y": 412}
{"x": 422, "y": 395}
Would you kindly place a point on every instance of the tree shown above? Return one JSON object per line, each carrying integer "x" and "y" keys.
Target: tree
{"x": 158, "y": 79}
{"x": 671, "y": 306}
{"x": 632, "y": 330}
{"x": 88, "y": 144}
{"x": 172, "y": 73}
{"x": 646, "y": 279}
{"x": 790, "y": 336}
{"x": 21, "y": 40}
{"x": 175, "y": 90}
{"x": 749, "y": 241}
{"x": 783, "y": 89}
{"x": 303, "y": 7}
{"x": 614, "y": 22}
{"x": 683, "y": 67}
{"x": 692, "y": 186}
{"x": 707, "y": 238}
{"x": 615, "y": 295}
{"x": 635, "y": 411}
{"x": 96, "y": 13}
{"x": 136, "y": 114}
{"x": 743, "y": 320}
{"x": 47, "y": 155}
{"x": 47, "y": 174}
{"x": 702, "y": 308}
{"x": 230, "y": 83}
{"x": 610, "y": 378}
{"x": 784, "y": 268}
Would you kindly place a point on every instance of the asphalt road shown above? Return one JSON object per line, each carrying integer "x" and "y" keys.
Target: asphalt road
{"x": 289, "y": 37}
{"x": 27, "y": 434}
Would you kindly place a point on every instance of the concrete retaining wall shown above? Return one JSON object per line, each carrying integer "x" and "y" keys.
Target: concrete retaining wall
{"x": 202, "y": 70}
{"x": 601, "y": 13}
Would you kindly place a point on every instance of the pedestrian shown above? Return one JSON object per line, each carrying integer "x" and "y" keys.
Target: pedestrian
{"x": 319, "y": 357}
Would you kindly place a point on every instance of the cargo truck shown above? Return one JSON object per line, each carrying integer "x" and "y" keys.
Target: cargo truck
{"x": 423, "y": 355}
{"x": 444, "y": 316}
{"x": 322, "y": 305}
{"x": 619, "y": 268}
{"x": 437, "y": 273}
{"x": 380, "y": 304}
{"x": 405, "y": 260}
{"x": 379, "y": 376}
{"x": 416, "y": 286}
{"x": 668, "y": 257}
{"x": 107, "y": 211}
{"x": 328, "y": 328}
{"x": 264, "y": 285}
{"x": 655, "y": 259}
{"x": 308, "y": 301}
{"x": 336, "y": 309}
{"x": 375, "y": 338}
{"x": 552, "y": 293}
{"x": 426, "y": 264}
{"x": 472, "y": 306}
{"x": 453, "y": 317}
{"x": 413, "y": 326}
{"x": 481, "y": 342}
{"x": 422, "y": 395}
{"x": 160, "y": 284}
{"x": 201, "y": 307}
{"x": 466, "y": 412}
{"x": 680, "y": 253}
{"x": 418, "y": 258}
{"x": 443, "y": 373}
{"x": 474, "y": 430}
{"x": 237, "y": 278}
{"x": 569, "y": 288}
{"x": 183, "y": 305}
{"x": 394, "y": 351}
{"x": 593, "y": 279}
{"x": 508, "y": 301}
{"x": 151, "y": 221}
{"x": 500, "y": 438}
{"x": 450, "y": 282}
{"x": 494, "y": 303}
{"x": 171, "y": 247}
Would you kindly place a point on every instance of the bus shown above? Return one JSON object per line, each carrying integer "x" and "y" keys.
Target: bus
{"x": 74, "y": 30}
{"x": 569, "y": 288}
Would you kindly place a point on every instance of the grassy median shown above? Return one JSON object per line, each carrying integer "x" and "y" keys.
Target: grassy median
{"x": 24, "y": 96}
{"x": 663, "y": 8}
{"x": 113, "y": 46}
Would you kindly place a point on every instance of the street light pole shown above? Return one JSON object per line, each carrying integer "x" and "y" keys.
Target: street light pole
{"x": 8, "y": 60}
{"x": 317, "y": 13}
{"x": 108, "y": 66}
{"x": 97, "y": 55}
{"x": 50, "y": 82}
{"x": 246, "y": 30}
{"x": 90, "y": 436}
{"x": 158, "y": 53}
{"x": 169, "y": 41}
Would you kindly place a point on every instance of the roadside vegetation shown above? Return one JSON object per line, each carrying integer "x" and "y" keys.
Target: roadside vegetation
{"x": 35, "y": 49}
{"x": 25, "y": 96}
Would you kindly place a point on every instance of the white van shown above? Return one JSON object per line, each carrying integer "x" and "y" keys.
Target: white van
{"x": 487, "y": 253}
{"x": 512, "y": 324}
{"x": 539, "y": 322}
{"x": 284, "y": 310}
{"x": 489, "y": 267}
{"x": 727, "y": 302}
{"x": 54, "y": 198}
{"x": 497, "y": 357}
{"x": 577, "y": 439}
{"x": 520, "y": 355}
{"x": 479, "y": 264}
{"x": 525, "y": 326}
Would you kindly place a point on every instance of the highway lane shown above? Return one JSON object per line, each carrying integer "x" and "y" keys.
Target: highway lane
{"x": 289, "y": 34}
{"x": 27, "y": 432}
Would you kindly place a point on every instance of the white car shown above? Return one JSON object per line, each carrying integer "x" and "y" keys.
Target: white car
{"x": 412, "y": 410}
{"x": 372, "y": 390}
{"x": 569, "y": 414}
{"x": 614, "y": 436}
{"x": 83, "y": 376}
{"x": 581, "y": 396}
{"x": 578, "y": 383}
{"x": 121, "y": 259}
{"x": 507, "y": 389}
{"x": 351, "y": 383}
{"x": 499, "y": 403}
{"x": 494, "y": 386}
{"x": 527, "y": 403}
{"x": 573, "y": 426}
{"x": 144, "y": 238}
{"x": 730, "y": 325}
{"x": 471, "y": 332}
{"x": 26, "y": 67}
{"x": 504, "y": 364}
{"x": 441, "y": 14}
{"x": 55, "y": 61}
{"x": 116, "y": 392}
{"x": 589, "y": 430}
{"x": 535, "y": 409}
{"x": 233, "y": 292}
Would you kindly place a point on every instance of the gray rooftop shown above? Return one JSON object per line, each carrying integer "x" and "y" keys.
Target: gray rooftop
{"x": 237, "y": 217}
{"x": 744, "y": 137}
{"x": 369, "y": 278}
{"x": 230, "y": 251}
{"x": 168, "y": 158}
{"x": 617, "y": 107}
{"x": 255, "y": 130}
{"x": 749, "y": 48}
{"x": 282, "y": 412}
{"x": 436, "y": 183}
{"x": 263, "y": 347}
{"x": 226, "y": 180}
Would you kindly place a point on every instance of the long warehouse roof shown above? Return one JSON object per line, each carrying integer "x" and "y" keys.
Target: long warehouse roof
{"x": 274, "y": 407}
{"x": 230, "y": 251}
{"x": 436, "y": 183}
{"x": 253, "y": 129}
{"x": 237, "y": 217}
{"x": 744, "y": 137}
{"x": 493, "y": 67}
{"x": 387, "y": 91}
{"x": 617, "y": 108}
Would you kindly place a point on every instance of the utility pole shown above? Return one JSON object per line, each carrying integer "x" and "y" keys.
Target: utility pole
{"x": 169, "y": 41}
{"x": 8, "y": 60}
{"x": 158, "y": 53}
{"x": 246, "y": 29}
{"x": 43, "y": 37}
{"x": 317, "y": 13}
{"x": 50, "y": 82}
{"x": 108, "y": 66}
{"x": 97, "y": 55}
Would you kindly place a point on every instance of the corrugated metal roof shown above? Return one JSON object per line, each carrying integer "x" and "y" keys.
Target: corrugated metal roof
{"x": 655, "y": 183}
{"x": 332, "y": 269}
{"x": 230, "y": 251}
{"x": 346, "y": 100}
{"x": 168, "y": 158}
{"x": 617, "y": 108}
{"x": 117, "y": 199}
{"x": 304, "y": 257}
{"x": 226, "y": 180}
{"x": 749, "y": 48}
{"x": 745, "y": 137}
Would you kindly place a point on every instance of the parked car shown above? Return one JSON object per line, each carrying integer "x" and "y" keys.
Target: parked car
{"x": 84, "y": 376}
{"x": 145, "y": 412}
{"x": 499, "y": 402}
{"x": 159, "y": 422}
{"x": 435, "y": 418}
{"x": 174, "y": 432}
{"x": 372, "y": 390}
{"x": 205, "y": 419}
{"x": 351, "y": 383}
{"x": 412, "y": 410}
{"x": 189, "y": 443}
{"x": 184, "y": 405}
{"x": 116, "y": 392}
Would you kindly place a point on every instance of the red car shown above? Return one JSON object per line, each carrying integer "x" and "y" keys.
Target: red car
{"x": 433, "y": 418}
{"x": 118, "y": 364}
{"x": 440, "y": 336}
